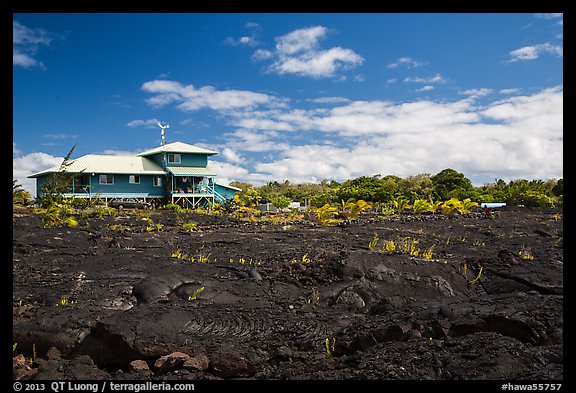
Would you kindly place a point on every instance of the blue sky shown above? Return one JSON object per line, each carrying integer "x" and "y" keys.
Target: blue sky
{"x": 302, "y": 97}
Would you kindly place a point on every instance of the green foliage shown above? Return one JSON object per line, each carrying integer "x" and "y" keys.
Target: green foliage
{"x": 330, "y": 345}
{"x": 422, "y": 205}
{"x": 314, "y": 297}
{"x": 427, "y": 255}
{"x": 372, "y": 189}
{"x": 454, "y": 205}
{"x": 65, "y": 301}
{"x": 227, "y": 207}
{"x": 327, "y": 215}
{"x": 249, "y": 197}
{"x": 526, "y": 253}
{"x": 305, "y": 259}
{"x": 449, "y": 183}
{"x": 174, "y": 207}
{"x": 351, "y": 209}
{"x": 477, "y": 277}
{"x": 416, "y": 187}
{"x": 374, "y": 242}
{"x": 80, "y": 203}
{"x": 390, "y": 246}
{"x": 70, "y": 221}
{"x": 200, "y": 257}
{"x": 195, "y": 294}
{"x": 58, "y": 214}
{"x": 558, "y": 188}
{"x": 467, "y": 206}
{"x": 19, "y": 195}
{"x": 408, "y": 246}
{"x": 190, "y": 226}
{"x": 450, "y": 206}
{"x": 387, "y": 190}
{"x": 465, "y": 273}
{"x": 324, "y": 197}
{"x": 57, "y": 184}
{"x": 99, "y": 213}
{"x": 401, "y": 203}
{"x": 280, "y": 201}
{"x": 535, "y": 199}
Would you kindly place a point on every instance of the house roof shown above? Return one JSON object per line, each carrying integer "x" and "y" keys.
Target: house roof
{"x": 229, "y": 186}
{"x": 93, "y": 163}
{"x": 178, "y": 147}
{"x": 190, "y": 171}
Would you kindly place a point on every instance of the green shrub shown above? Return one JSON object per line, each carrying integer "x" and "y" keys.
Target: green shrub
{"x": 421, "y": 206}
{"x": 174, "y": 207}
{"x": 326, "y": 215}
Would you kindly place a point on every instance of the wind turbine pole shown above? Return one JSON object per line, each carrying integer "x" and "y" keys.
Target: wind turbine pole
{"x": 162, "y": 133}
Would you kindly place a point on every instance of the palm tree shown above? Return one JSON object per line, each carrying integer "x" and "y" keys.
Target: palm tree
{"x": 401, "y": 203}
{"x": 19, "y": 195}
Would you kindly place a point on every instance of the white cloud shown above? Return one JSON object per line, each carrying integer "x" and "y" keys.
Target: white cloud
{"x": 406, "y": 62}
{"x": 26, "y": 42}
{"x": 150, "y": 123}
{"x": 534, "y": 51}
{"x": 542, "y": 107}
{"x": 329, "y": 100}
{"x": 510, "y": 91}
{"x": 431, "y": 79}
{"x": 519, "y": 137}
{"x": 255, "y": 141}
{"x": 228, "y": 172}
{"x": 232, "y": 156}
{"x": 15, "y": 151}
{"x": 116, "y": 152}
{"x": 425, "y": 88}
{"x": 24, "y": 60}
{"x": 299, "y": 53}
{"x": 26, "y": 165}
{"x": 477, "y": 92}
{"x": 262, "y": 54}
{"x": 60, "y": 136}
{"x": 188, "y": 98}
{"x": 246, "y": 40}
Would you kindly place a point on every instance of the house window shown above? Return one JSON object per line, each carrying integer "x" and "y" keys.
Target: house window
{"x": 134, "y": 179}
{"x": 157, "y": 180}
{"x": 106, "y": 179}
{"x": 174, "y": 158}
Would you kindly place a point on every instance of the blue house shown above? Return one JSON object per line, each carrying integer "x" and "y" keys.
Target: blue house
{"x": 175, "y": 172}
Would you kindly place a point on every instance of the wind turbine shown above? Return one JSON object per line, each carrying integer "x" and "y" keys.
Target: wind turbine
{"x": 163, "y": 127}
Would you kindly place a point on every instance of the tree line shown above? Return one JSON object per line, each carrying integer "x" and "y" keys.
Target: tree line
{"x": 444, "y": 185}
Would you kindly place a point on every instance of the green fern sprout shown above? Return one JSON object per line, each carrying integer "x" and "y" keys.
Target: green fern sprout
{"x": 196, "y": 292}
{"x": 477, "y": 277}
{"x": 390, "y": 246}
{"x": 330, "y": 346}
{"x": 314, "y": 298}
{"x": 428, "y": 253}
{"x": 526, "y": 254}
{"x": 374, "y": 243}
